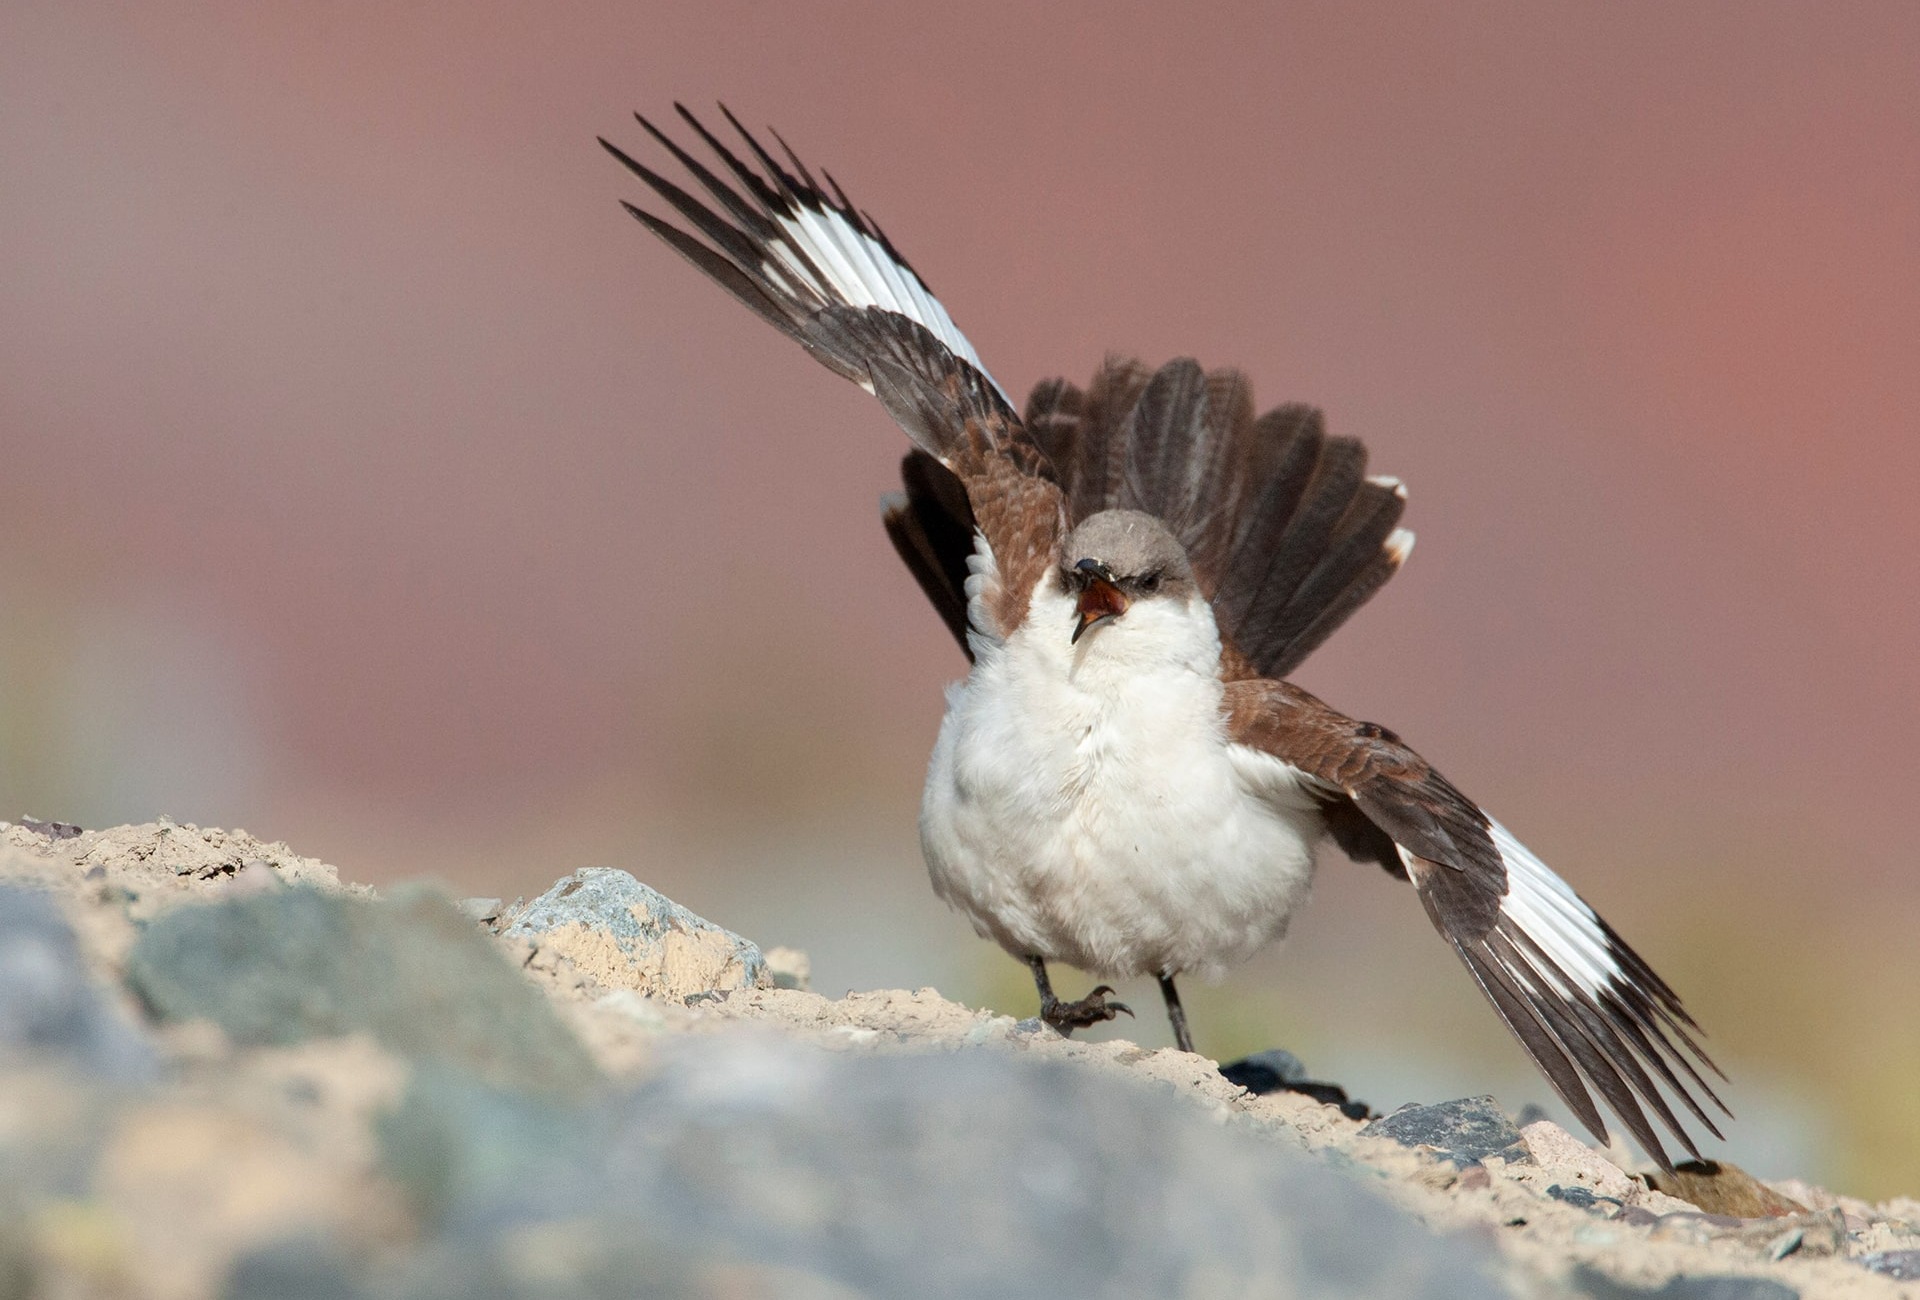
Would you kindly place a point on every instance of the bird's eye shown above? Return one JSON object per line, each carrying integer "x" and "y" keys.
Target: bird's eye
{"x": 1150, "y": 582}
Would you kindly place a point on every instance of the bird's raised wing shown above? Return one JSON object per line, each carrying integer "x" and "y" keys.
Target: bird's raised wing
{"x": 1583, "y": 1004}
{"x": 822, "y": 272}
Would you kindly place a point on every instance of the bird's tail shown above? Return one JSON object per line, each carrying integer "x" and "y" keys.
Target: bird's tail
{"x": 1286, "y": 531}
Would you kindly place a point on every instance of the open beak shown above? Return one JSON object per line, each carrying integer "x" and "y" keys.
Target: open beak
{"x": 1100, "y": 600}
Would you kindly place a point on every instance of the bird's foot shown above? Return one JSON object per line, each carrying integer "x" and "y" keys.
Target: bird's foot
{"x": 1090, "y": 1010}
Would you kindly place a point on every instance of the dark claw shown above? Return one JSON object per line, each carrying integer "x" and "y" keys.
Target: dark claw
{"x": 1090, "y": 1010}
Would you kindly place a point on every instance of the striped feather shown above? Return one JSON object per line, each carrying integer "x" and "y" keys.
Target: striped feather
{"x": 807, "y": 261}
{"x": 1590, "y": 1012}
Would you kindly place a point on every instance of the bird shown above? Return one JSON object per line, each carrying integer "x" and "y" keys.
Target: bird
{"x": 1126, "y": 781}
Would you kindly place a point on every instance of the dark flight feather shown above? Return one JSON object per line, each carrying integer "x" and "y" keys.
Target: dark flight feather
{"x": 1285, "y": 532}
{"x": 1588, "y": 1010}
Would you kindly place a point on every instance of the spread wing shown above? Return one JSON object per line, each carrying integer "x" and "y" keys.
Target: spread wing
{"x": 1583, "y": 1004}
{"x": 802, "y": 258}
{"x": 1287, "y": 533}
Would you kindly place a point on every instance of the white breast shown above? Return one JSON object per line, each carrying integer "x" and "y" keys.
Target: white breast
{"x": 1083, "y": 804}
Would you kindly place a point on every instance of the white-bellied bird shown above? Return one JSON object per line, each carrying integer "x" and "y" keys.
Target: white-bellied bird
{"x": 1125, "y": 781}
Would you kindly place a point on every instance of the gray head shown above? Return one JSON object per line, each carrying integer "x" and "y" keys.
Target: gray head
{"x": 1117, "y": 557}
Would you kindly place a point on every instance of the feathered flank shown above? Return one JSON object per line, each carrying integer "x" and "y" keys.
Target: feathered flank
{"x": 1587, "y": 1009}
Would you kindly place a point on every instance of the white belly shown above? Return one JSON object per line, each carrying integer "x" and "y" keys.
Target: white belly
{"x": 1088, "y": 811}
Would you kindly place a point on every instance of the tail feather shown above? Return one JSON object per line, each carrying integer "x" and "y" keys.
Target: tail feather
{"x": 1357, "y": 558}
{"x": 1285, "y": 531}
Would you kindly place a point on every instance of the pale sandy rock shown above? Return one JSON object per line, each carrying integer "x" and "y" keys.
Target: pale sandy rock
{"x": 1658, "y": 1202}
{"x": 109, "y": 880}
{"x": 789, "y": 968}
{"x": 616, "y": 932}
{"x": 620, "y": 1029}
{"x": 1814, "y": 1198}
{"x": 189, "y": 1186}
{"x": 1566, "y": 1159}
{"x": 326, "y": 1094}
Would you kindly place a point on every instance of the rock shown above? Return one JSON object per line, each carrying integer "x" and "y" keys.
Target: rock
{"x": 882, "y": 1174}
{"x": 1723, "y": 1189}
{"x": 623, "y": 934}
{"x": 1900, "y": 1265}
{"x": 300, "y": 1269}
{"x": 185, "y": 1186}
{"x": 1824, "y": 1233}
{"x": 456, "y": 1140}
{"x": 1278, "y": 1070}
{"x": 1573, "y": 1162}
{"x": 1584, "y": 1198}
{"x": 1597, "y": 1286}
{"x": 280, "y": 968}
{"x": 1466, "y": 1131}
{"x": 189, "y": 853}
{"x": 48, "y": 1002}
{"x": 483, "y": 911}
{"x": 1264, "y": 1072}
{"x": 789, "y": 968}
{"x": 52, "y": 830}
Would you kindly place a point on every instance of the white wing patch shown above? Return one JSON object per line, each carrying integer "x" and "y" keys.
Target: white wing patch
{"x": 859, "y": 272}
{"x": 1547, "y": 910}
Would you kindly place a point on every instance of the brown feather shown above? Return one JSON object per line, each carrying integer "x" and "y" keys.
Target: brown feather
{"x": 1611, "y": 1037}
{"x": 1284, "y": 535}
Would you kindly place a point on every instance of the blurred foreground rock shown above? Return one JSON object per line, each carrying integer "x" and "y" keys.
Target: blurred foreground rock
{"x": 222, "y": 1073}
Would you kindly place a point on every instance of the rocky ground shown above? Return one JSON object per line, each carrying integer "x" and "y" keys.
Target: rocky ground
{"x": 225, "y": 1073}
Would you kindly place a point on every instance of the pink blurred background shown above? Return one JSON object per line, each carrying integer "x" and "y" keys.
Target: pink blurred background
{"x": 370, "y": 480}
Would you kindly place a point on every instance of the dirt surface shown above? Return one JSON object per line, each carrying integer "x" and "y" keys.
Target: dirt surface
{"x": 150, "y": 1148}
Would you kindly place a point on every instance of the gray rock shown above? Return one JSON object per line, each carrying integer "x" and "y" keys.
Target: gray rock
{"x": 1597, "y": 1286}
{"x": 1466, "y": 1131}
{"x": 659, "y": 947}
{"x": 48, "y": 1003}
{"x": 281, "y": 968}
{"x": 1585, "y": 1198}
{"x": 455, "y": 1139}
{"x": 886, "y": 1174}
{"x": 1264, "y": 1072}
{"x": 579, "y": 1262}
{"x": 52, "y": 830}
{"x": 1901, "y": 1265}
{"x": 483, "y": 910}
{"x": 293, "y": 1270}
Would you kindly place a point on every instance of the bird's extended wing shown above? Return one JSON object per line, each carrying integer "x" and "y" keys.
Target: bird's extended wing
{"x": 1583, "y": 1004}
{"x": 822, "y": 272}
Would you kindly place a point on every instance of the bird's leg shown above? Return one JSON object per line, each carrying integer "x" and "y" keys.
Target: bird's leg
{"x": 1176, "y": 1013}
{"x": 1069, "y": 1016}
